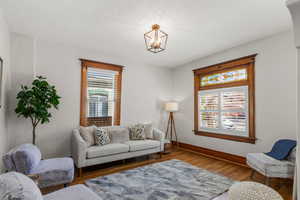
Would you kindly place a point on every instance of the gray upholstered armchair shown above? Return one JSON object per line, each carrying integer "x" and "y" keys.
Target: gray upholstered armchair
{"x": 270, "y": 167}
{"x": 26, "y": 159}
{"x": 14, "y": 185}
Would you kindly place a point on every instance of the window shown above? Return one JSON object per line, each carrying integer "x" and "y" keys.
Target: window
{"x": 100, "y": 93}
{"x": 224, "y": 110}
{"x": 225, "y": 77}
{"x": 224, "y": 100}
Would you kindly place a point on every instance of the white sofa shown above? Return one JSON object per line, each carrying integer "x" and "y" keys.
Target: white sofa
{"x": 118, "y": 149}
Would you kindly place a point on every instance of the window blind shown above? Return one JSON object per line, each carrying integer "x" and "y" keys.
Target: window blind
{"x": 101, "y": 97}
{"x": 224, "y": 110}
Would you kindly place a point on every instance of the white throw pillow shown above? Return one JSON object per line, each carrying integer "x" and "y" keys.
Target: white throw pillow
{"x": 102, "y": 136}
{"x": 148, "y": 130}
{"x": 118, "y": 134}
{"x": 14, "y": 185}
{"x": 87, "y": 133}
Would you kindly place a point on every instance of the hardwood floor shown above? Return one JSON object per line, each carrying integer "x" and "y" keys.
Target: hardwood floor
{"x": 234, "y": 171}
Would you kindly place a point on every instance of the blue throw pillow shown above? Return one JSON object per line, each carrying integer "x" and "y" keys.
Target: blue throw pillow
{"x": 282, "y": 149}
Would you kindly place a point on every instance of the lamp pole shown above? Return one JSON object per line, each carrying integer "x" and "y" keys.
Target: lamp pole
{"x": 170, "y": 128}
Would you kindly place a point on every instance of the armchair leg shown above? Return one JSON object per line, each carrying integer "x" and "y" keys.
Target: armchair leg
{"x": 281, "y": 183}
{"x": 252, "y": 174}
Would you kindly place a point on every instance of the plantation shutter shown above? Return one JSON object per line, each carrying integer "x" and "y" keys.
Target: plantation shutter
{"x": 102, "y": 94}
{"x": 235, "y": 110}
{"x": 224, "y": 110}
{"x": 209, "y": 110}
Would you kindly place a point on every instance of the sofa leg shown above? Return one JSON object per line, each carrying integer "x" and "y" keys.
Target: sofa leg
{"x": 160, "y": 154}
{"x": 79, "y": 172}
{"x": 267, "y": 181}
{"x": 65, "y": 185}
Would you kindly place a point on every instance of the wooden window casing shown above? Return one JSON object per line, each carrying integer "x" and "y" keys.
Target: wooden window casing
{"x": 247, "y": 63}
{"x": 107, "y": 120}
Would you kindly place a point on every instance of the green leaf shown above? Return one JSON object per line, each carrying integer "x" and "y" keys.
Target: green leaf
{"x": 36, "y": 101}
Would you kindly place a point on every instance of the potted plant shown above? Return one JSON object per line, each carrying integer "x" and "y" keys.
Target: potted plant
{"x": 36, "y": 101}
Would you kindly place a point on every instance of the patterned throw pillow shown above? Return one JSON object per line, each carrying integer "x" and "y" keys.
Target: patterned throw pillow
{"x": 137, "y": 132}
{"x": 102, "y": 136}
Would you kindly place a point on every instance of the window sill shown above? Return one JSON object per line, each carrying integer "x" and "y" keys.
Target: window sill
{"x": 227, "y": 137}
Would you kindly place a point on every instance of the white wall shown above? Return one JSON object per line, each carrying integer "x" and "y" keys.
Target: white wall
{"x": 275, "y": 83}
{"x": 5, "y": 55}
{"x": 294, "y": 8}
{"x": 144, "y": 88}
{"x": 22, "y": 73}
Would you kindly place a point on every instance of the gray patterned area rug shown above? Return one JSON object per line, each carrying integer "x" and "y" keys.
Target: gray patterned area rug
{"x": 172, "y": 180}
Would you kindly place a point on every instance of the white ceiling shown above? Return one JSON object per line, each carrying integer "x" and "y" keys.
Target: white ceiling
{"x": 196, "y": 28}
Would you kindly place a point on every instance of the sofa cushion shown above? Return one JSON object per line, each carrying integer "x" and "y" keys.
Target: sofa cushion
{"x": 76, "y": 192}
{"x": 102, "y": 136}
{"x": 87, "y": 133}
{"x": 269, "y": 166}
{"x": 26, "y": 158}
{"x": 14, "y": 185}
{"x": 106, "y": 150}
{"x": 118, "y": 134}
{"x": 55, "y": 171}
{"x": 137, "y": 145}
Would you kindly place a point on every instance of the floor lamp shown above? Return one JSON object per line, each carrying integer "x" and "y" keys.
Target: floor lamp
{"x": 171, "y": 107}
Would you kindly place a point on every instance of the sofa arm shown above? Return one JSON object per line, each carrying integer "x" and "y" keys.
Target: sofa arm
{"x": 159, "y": 135}
{"x": 79, "y": 149}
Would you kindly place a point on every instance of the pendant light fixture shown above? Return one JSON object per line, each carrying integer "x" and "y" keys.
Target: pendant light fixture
{"x": 156, "y": 39}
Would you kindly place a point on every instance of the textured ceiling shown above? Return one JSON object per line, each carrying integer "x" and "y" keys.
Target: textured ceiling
{"x": 196, "y": 28}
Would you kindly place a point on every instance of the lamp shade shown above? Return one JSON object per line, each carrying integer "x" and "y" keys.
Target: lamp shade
{"x": 171, "y": 106}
